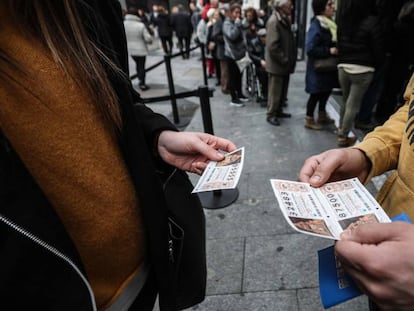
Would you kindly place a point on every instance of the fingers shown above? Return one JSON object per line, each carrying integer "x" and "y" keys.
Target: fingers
{"x": 198, "y": 167}
{"x": 207, "y": 145}
{"x": 329, "y": 162}
{"x": 308, "y": 169}
{"x": 219, "y": 143}
{"x": 376, "y": 233}
{"x": 351, "y": 253}
{"x": 319, "y": 169}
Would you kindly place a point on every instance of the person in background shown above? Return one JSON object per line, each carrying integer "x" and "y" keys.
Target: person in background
{"x": 281, "y": 57}
{"x": 138, "y": 37}
{"x": 208, "y": 4}
{"x": 163, "y": 23}
{"x": 251, "y": 23}
{"x": 183, "y": 28}
{"x": 83, "y": 217}
{"x": 397, "y": 18}
{"x": 234, "y": 50}
{"x": 218, "y": 39}
{"x": 203, "y": 38}
{"x": 144, "y": 18}
{"x": 195, "y": 15}
{"x": 264, "y": 15}
{"x": 360, "y": 51}
{"x": 214, "y": 16}
{"x": 320, "y": 43}
{"x": 256, "y": 47}
{"x": 378, "y": 256}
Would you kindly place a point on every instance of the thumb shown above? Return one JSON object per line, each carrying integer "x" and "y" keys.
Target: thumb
{"x": 375, "y": 233}
{"x": 207, "y": 149}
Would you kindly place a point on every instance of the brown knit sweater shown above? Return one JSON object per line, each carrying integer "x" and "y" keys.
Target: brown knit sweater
{"x": 59, "y": 135}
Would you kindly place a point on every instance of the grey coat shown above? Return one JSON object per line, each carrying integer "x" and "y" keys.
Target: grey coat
{"x": 280, "y": 46}
{"x": 234, "y": 45}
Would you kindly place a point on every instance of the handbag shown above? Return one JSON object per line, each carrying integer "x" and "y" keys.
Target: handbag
{"x": 328, "y": 64}
{"x": 187, "y": 248}
{"x": 244, "y": 62}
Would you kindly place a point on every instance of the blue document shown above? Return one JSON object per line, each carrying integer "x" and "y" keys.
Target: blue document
{"x": 335, "y": 285}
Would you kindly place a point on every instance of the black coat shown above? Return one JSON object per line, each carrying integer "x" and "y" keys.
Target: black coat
{"x": 40, "y": 268}
{"x": 181, "y": 23}
{"x": 365, "y": 46}
{"x": 163, "y": 23}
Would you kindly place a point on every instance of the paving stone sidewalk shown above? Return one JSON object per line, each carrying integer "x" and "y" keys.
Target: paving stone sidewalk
{"x": 255, "y": 260}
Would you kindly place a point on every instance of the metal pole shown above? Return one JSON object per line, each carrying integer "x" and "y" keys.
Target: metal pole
{"x": 203, "y": 61}
{"x": 217, "y": 198}
{"x": 167, "y": 60}
{"x": 205, "y": 109}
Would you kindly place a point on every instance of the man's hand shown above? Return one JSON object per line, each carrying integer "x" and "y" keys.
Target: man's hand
{"x": 334, "y": 165}
{"x": 380, "y": 259}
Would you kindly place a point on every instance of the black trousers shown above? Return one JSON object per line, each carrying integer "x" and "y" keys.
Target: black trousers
{"x": 167, "y": 44}
{"x": 235, "y": 79}
{"x": 313, "y": 100}
{"x": 184, "y": 45}
{"x": 140, "y": 65}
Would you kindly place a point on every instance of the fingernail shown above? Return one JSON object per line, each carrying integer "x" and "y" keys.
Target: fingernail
{"x": 220, "y": 155}
{"x": 315, "y": 179}
{"x": 346, "y": 234}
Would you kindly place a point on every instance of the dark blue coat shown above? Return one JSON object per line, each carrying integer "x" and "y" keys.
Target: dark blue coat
{"x": 318, "y": 43}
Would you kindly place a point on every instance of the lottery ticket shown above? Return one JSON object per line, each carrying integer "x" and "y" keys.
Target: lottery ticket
{"x": 328, "y": 210}
{"x": 222, "y": 175}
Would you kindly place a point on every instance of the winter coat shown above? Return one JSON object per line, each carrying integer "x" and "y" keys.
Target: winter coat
{"x": 163, "y": 22}
{"x": 280, "y": 46}
{"x": 202, "y": 31}
{"x": 234, "y": 44}
{"x": 390, "y": 147}
{"x": 217, "y": 37}
{"x": 318, "y": 43}
{"x": 181, "y": 24}
{"x": 365, "y": 46}
{"x": 137, "y": 35}
{"x": 256, "y": 50}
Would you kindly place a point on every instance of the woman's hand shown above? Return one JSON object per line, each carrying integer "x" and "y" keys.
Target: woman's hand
{"x": 191, "y": 151}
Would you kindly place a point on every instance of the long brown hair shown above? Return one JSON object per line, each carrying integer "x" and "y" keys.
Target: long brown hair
{"x": 57, "y": 24}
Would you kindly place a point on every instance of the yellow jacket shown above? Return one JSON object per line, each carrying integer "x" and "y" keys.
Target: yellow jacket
{"x": 391, "y": 147}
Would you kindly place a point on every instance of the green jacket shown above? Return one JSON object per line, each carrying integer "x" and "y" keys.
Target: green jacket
{"x": 280, "y": 46}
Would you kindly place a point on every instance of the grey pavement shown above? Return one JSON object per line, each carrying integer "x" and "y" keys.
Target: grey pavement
{"x": 255, "y": 260}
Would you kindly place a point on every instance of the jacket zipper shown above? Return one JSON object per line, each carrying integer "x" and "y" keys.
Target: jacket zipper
{"x": 54, "y": 251}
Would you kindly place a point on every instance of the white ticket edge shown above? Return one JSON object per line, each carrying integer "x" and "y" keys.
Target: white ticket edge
{"x": 221, "y": 175}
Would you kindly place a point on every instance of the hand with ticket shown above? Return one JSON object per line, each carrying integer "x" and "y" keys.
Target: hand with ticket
{"x": 334, "y": 165}
{"x": 379, "y": 257}
{"x": 191, "y": 151}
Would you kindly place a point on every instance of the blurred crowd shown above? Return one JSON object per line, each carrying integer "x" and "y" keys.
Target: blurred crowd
{"x": 363, "y": 43}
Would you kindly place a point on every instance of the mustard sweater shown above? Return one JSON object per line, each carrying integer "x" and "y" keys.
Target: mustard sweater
{"x": 390, "y": 147}
{"x": 59, "y": 135}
